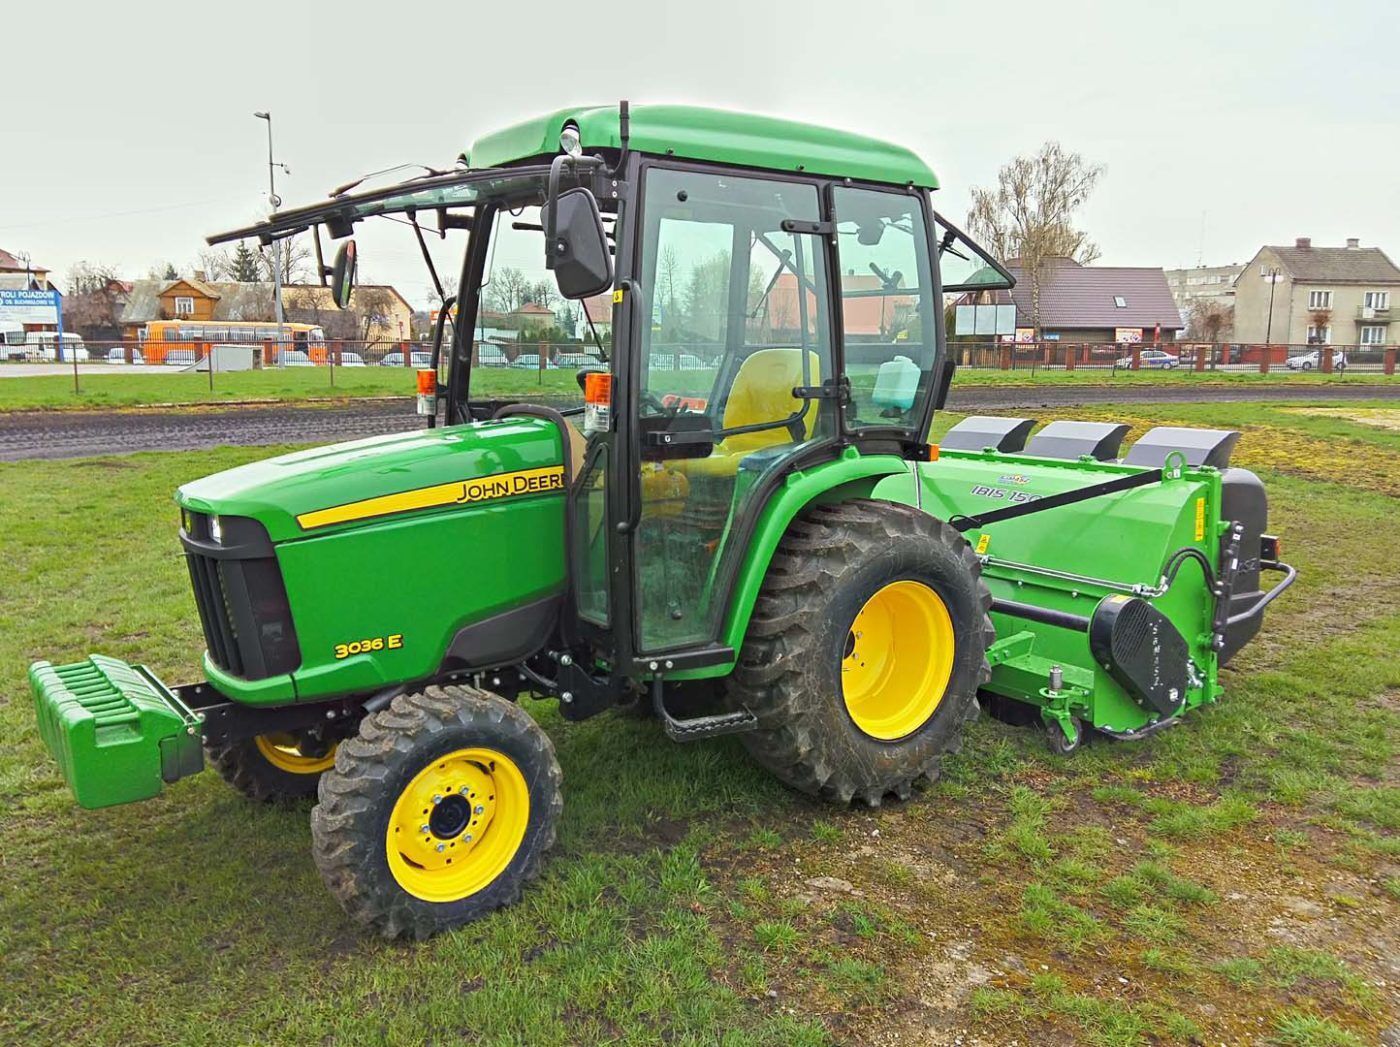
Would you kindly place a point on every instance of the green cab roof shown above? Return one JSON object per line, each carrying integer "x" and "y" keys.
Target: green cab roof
{"x": 696, "y": 133}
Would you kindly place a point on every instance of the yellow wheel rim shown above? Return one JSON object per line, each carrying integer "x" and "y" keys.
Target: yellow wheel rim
{"x": 457, "y": 825}
{"x": 283, "y": 751}
{"x": 898, "y": 659}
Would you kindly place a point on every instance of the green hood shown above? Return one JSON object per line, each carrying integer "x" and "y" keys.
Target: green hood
{"x": 278, "y": 490}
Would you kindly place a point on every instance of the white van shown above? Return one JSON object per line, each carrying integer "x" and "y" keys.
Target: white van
{"x": 42, "y": 345}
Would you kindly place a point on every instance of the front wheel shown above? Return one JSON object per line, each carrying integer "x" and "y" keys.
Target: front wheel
{"x": 438, "y": 812}
{"x": 274, "y": 767}
{"x": 865, "y": 651}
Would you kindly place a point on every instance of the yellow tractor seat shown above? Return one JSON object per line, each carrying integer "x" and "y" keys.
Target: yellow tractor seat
{"x": 762, "y": 392}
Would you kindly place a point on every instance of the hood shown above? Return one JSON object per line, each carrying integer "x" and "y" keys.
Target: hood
{"x": 290, "y": 494}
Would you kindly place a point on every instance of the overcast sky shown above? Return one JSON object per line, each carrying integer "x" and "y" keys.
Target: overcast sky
{"x": 128, "y": 131}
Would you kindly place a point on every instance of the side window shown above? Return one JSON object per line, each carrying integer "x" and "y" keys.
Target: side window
{"x": 887, "y": 306}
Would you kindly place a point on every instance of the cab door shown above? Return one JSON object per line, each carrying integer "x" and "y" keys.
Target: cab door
{"x": 734, "y": 379}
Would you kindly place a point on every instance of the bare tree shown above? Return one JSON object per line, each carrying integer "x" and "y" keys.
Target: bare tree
{"x": 1207, "y": 321}
{"x": 91, "y": 305}
{"x": 508, "y": 290}
{"x": 1030, "y": 214}
{"x": 215, "y": 263}
{"x": 295, "y": 259}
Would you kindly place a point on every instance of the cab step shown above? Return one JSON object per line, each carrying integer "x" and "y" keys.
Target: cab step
{"x": 117, "y": 733}
{"x": 695, "y": 728}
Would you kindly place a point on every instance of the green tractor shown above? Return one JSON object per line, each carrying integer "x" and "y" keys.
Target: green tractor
{"x": 736, "y": 524}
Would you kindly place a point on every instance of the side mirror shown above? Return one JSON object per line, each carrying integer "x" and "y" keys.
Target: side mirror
{"x": 576, "y": 247}
{"x": 343, "y": 275}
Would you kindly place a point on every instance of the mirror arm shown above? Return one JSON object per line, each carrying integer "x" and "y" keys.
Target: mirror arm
{"x": 427, "y": 258}
{"x": 321, "y": 269}
{"x": 556, "y": 169}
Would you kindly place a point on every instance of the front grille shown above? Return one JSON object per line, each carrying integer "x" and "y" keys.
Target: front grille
{"x": 243, "y": 608}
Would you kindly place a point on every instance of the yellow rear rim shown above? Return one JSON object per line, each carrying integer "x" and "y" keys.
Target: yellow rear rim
{"x": 899, "y": 657}
{"x": 283, "y": 751}
{"x": 457, "y": 825}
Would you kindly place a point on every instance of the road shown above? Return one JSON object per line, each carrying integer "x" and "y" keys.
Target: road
{"x": 75, "y": 434}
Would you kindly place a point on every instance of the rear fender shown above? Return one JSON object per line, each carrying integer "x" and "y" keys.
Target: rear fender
{"x": 852, "y": 475}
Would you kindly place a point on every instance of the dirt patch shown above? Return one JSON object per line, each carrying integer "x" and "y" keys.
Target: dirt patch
{"x": 1376, "y": 417}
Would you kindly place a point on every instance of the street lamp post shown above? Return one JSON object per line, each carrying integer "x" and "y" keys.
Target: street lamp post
{"x": 1272, "y": 276}
{"x": 275, "y": 201}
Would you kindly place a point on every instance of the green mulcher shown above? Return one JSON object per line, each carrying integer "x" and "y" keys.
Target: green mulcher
{"x": 740, "y": 527}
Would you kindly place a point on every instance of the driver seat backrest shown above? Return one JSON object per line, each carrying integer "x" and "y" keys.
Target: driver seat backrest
{"x": 762, "y": 392}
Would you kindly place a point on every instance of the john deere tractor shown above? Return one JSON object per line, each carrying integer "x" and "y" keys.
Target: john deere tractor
{"x": 736, "y": 523}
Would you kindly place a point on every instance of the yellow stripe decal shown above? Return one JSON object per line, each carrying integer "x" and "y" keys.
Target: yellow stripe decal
{"x": 1200, "y": 519}
{"x": 461, "y": 492}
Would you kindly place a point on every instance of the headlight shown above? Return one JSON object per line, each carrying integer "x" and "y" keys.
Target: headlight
{"x": 569, "y": 141}
{"x": 216, "y": 531}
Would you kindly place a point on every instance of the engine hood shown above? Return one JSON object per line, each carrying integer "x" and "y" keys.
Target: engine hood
{"x": 345, "y": 485}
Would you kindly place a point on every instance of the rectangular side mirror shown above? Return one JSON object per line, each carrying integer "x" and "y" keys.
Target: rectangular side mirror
{"x": 945, "y": 380}
{"x": 576, "y": 247}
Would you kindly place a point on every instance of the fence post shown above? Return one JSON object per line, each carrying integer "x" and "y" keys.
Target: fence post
{"x": 1326, "y": 359}
{"x": 1071, "y": 352}
{"x": 1136, "y": 365}
{"x": 1201, "y": 356}
{"x": 1390, "y": 361}
{"x": 1264, "y": 359}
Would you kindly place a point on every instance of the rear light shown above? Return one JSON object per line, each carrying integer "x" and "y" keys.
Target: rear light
{"x": 427, "y": 392}
{"x": 1269, "y": 547}
{"x": 597, "y": 402}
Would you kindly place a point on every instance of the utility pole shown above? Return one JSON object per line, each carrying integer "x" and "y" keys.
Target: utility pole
{"x": 275, "y": 201}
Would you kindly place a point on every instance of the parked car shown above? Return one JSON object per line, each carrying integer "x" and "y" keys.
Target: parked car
{"x": 1313, "y": 360}
{"x": 415, "y": 359}
{"x": 683, "y": 362}
{"x": 348, "y": 359}
{"x": 42, "y": 345}
{"x": 491, "y": 356}
{"x": 117, "y": 354}
{"x": 1150, "y": 358}
{"x": 531, "y": 362}
{"x": 576, "y": 360}
{"x": 179, "y": 357}
{"x": 293, "y": 358}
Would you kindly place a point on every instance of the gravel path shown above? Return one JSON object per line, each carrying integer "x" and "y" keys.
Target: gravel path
{"x": 75, "y": 434}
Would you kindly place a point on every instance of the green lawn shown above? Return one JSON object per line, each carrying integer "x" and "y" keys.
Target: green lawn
{"x": 1235, "y": 879}
{"x": 140, "y": 389}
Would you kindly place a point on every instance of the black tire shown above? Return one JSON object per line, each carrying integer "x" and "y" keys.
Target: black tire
{"x": 246, "y": 767}
{"x": 372, "y": 770}
{"x": 832, "y": 559}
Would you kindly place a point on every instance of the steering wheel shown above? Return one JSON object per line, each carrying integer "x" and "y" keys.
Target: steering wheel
{"x": 662, "y": 409}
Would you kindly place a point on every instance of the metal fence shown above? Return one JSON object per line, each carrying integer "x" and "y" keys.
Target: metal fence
{"x": 171, "y": 357}
{"x": 1225, "y": 357}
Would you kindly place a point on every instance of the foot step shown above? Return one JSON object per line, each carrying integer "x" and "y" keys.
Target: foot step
{"x": 697, "y": 727}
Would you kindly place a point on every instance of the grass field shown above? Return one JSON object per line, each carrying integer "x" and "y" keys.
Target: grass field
{"x": 137, "y": 389}
{"x": 1233, "y": 880}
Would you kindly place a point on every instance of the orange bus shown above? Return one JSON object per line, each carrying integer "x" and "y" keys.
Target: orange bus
{"x": 186, "y": 341}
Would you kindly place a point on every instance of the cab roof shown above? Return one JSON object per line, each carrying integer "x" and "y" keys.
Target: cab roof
{"x": 697, "y": 133}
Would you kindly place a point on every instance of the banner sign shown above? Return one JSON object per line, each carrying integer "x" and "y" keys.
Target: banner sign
{"x": 30, "y": 307}
{"x": 984, "y": 319}
{"x": 1128, "y": 335}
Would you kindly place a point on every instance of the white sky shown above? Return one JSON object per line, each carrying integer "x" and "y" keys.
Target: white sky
{"x": 128, "y": 131}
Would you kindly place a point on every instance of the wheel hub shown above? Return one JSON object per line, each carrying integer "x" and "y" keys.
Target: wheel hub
{"x": 457, "y": 824}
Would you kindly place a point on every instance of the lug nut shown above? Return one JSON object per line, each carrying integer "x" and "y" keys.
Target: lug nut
{"x": 467, "y": 838}
{"x": 441, "y": 847}
{"x": 437, "y": 798}
{"x": 480, "y": 809}
{"x": 423, "y": 828}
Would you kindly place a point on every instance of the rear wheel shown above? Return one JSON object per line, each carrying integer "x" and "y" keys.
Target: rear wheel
{"x": 438, "y": 812}
{"x": 271, "y": 767}
{"x": 865, "y": 651}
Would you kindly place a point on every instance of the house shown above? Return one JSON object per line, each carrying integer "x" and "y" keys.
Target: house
{"x": 599, "y": 310}
{"x": 18, "y": 273}
{"x": 1096, "y": 304}
{"x": 530, "y": 314}
{"x": 864, "y": 317}
{"x": 1203, "y": 283}
{"x": 1318, "y": 296}
{"x": 377, "y": 313}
